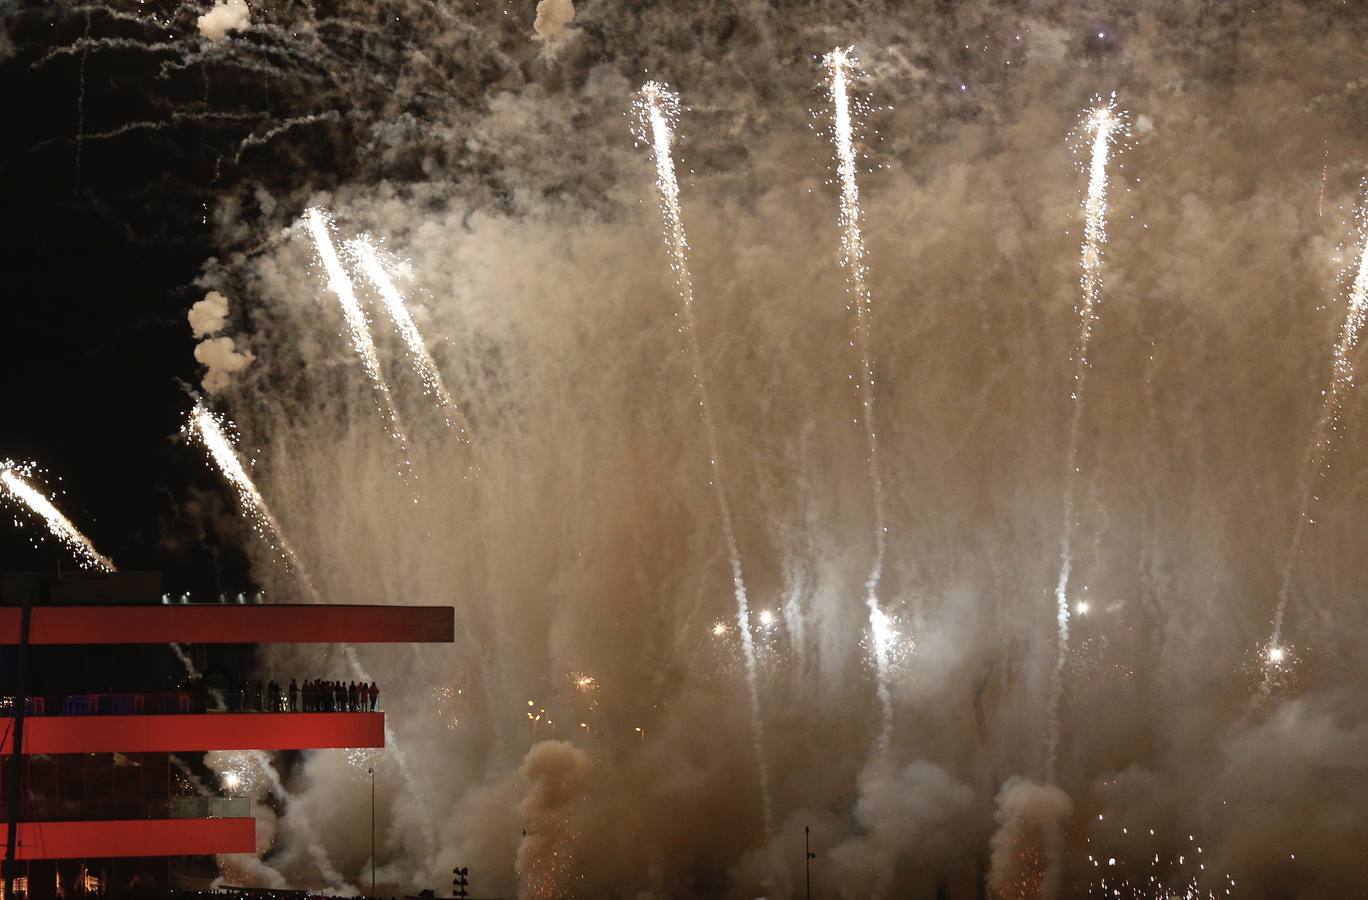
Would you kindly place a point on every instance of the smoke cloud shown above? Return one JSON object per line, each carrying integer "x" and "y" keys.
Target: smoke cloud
{"x": 553, "y": 19}
{"x": 221, "y": 357}
{"x": 230, "y": 15}
{"x": 557, "y": 773}
{"x": 576, "y": 531}
{"x": 1028, "y": 847}
{"x": 208, "y": 315}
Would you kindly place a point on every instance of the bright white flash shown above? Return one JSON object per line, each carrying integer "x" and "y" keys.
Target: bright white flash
{"x": 361, "y": 340}
{"x": 20, "y": 491}
{"x": 1276, "y": 654}
{"x": 766, "y": 618}
{"x": 885, "y": 635}
{"x": 368, "y": 259}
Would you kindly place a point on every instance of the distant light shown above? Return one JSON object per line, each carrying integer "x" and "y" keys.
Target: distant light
{"x": 530, "y": 703}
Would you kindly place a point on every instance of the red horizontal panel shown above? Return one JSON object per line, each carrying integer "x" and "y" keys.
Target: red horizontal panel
{"x": 207, "y": 731}
{"x": 133, "y": 837}
{"x": 232, "y": 624}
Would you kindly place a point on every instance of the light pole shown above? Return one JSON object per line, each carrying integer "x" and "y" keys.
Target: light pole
{"x": 807, "y": 860}
{"x": 371, "y": 770}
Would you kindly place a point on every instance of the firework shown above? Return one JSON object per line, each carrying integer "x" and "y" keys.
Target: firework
{"x": 213, "y": 434}
{"x": 368, "y": 259}
{"x": 658, "y": 111}
{"x": 840, "y": 66}
{"x": 1328, "y": 424}
{"x": 20, "y": 491}
{"x": 341, "y": 286}
{"x": 1103, "y": 124}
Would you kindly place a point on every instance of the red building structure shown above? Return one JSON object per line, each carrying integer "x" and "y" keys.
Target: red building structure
{"x": 96, "y": 703}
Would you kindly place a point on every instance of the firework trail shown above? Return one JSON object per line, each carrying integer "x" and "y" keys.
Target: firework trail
{"x": 210, "y": 431}
{"x": 362, "y": 342}
{"x": 658, "y": 110}
{"x": 1327, "y": 426}
{"x": 839, "y": 65}
{"x": 1105, "y": 123}
{"x": 17, "y": 488}
{"x": 371, "y": 266}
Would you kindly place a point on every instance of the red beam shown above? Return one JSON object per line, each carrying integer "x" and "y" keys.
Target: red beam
{"x": 232, "y": 624}
{"x": 207, "y": 731}
{"x": 133, "y": 837}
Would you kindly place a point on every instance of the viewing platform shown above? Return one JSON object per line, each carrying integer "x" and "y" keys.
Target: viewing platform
{"x": 231, "y": 623}
{"x": 153, "y": 733}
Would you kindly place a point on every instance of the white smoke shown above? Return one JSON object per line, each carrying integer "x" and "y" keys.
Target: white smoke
{"x": 221, "y": 357}
{"x": 226, "y": 16}
{"x": 553, "y": 19}
{"x": 557, "y": 773}
{"x": 576, "y": 531}
{"x": 1028, "y": 846}
{"x": 916, "y": 818}
{"x": 208, "y": 315}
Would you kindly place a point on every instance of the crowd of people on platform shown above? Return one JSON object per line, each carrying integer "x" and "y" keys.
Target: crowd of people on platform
{"x": 311, "y": 696}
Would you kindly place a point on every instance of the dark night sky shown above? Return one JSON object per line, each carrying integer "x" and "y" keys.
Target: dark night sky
{"x": 102, "y": 254}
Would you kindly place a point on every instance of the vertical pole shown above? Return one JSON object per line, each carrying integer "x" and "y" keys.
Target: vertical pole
{"x": 16, "y": 749}
{"x": 372, "y": 775}
{"x": 807, "y": 861}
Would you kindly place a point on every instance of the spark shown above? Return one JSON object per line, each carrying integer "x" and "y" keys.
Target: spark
{"x": 1328, "y": 425}
{"x": 719, "y": 629}
{"x": 1105, "y": 123}
{"x": 657, "y": 111}
{"x": 17, "y": 487}
{"x": 213, "y": 434}
{"x": 1082, "y": 607}
{"x": 317, "y": 222}
{"x": 766, "y": 618}
{"x": 368, "y": 258}
{"x": 840, "y": 65}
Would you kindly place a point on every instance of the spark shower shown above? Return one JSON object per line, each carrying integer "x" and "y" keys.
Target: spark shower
{"x": 957, "y": 486}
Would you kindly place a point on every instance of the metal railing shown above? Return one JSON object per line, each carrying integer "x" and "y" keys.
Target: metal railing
{"x": 173, "y": 703}
{"x": 104, "y": 810}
